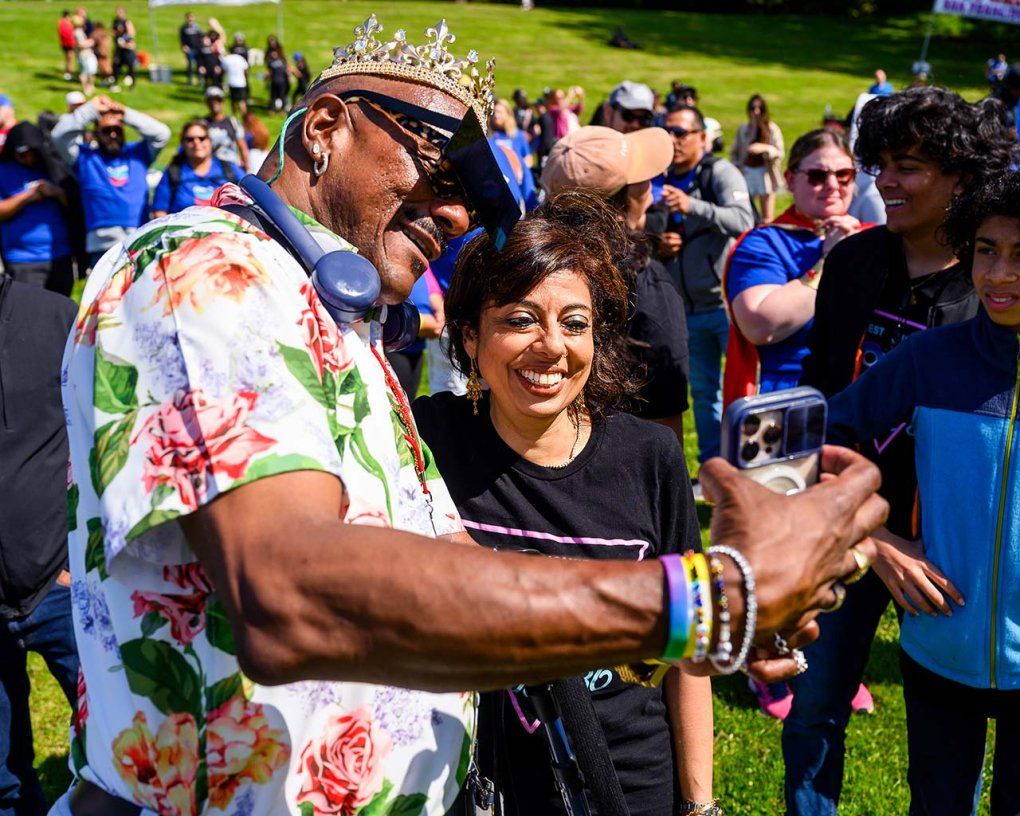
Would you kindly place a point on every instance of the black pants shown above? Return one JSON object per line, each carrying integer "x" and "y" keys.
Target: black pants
{"x": 946, "y": 729}
{"x": 124, "y": 58}
{"x": 56, "y": 275}
{"x": 407, "y": 365}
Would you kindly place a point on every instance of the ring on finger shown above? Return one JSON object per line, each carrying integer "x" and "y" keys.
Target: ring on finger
{"x": 800, "y": 660}
{"x": 782, "y": 647}
{"x": 840, "y": 592}
{"x": 863, "y": 565}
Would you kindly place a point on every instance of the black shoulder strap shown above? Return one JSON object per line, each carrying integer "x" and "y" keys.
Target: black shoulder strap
{"x": 703, "y": 181}
{"x": 228, "y": 171}
{"x": 173, "y": 173}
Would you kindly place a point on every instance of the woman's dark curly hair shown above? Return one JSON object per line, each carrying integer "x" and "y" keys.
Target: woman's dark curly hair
{"x": 970, "y": 139}
{"x": 998, "y": 196}
{"x": 574, "y": 231}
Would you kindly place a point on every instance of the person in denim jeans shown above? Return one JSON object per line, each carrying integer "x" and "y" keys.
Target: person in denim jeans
{"x": 35, "y": 599}
{"x": 925, "y": 146}
{"x": 705, "y": 207}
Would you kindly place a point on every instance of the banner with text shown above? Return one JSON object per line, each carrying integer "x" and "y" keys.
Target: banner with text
{"x": 1001, "y": 11}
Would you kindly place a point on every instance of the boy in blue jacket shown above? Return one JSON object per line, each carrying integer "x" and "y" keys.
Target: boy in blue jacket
{"x": 958, "y": 389}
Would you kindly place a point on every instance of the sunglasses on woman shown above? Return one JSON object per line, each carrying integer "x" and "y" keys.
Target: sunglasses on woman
{"x": 817, "y": 177}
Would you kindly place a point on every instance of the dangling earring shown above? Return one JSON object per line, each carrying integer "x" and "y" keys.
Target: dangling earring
{"x": 474, "y": 386}
{"x": 317, "y": 167}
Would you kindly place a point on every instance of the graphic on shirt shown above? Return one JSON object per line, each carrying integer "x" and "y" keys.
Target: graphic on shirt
{"x": 883, "y": 333}
{"x": 118, "y": 174}
{"x": 589, "y": 541}
{"x": 203, "y": 193}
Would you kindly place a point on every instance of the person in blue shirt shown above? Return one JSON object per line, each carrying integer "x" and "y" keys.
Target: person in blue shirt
{"x": 770, "y": 285}
{"x": 507, "y": 137}
{"x": 408, "y": 363}
{"x": 957, "y": 388}
{"x": 194, "y": 174}
{"x": 34, "y": 216}
{"x": 110, "y": 170}
{"x": 882, "y": 86}
{"x": 773, "y": 272}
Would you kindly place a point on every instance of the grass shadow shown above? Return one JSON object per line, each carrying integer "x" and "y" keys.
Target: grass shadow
{"x": 54, "y": 775}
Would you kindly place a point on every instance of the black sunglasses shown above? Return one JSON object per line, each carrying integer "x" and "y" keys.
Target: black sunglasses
{"x": 465, "y": 165}
{"x": 643, "y": 118}
{"x": 190, "y": 139}
{"x": 817, "y": 177}
{"x": 112, "y": 130}
{"x": 682, "y": 133}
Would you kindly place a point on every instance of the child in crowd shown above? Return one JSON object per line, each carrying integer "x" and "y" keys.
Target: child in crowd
{"x": 958, "y": 388}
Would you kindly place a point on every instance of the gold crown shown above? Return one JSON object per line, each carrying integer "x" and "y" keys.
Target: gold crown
{"x": 431, "y": 64}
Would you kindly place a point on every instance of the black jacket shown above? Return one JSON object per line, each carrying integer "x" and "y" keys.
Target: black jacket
{"x": 34, "y": 324}
{"x": 863, "y": 273}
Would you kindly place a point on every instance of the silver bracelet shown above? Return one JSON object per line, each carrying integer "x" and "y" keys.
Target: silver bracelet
{"x": 750, "y": 611}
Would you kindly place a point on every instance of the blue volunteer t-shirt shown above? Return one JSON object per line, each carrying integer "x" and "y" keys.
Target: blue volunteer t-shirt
{"x": 420, "y": 298}
{"x": 682, "y": 181}
{"x": 113, "y": 188}
{"x": 771, "y": 255}
{"x": 38, "y": 233}
{"x": 194, "y": 190}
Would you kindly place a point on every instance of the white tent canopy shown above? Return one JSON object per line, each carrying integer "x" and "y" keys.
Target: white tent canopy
{"x": 155, "y": 4}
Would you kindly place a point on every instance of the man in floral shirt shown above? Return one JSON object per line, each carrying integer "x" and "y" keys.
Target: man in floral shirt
{"x": 253, "y": 517}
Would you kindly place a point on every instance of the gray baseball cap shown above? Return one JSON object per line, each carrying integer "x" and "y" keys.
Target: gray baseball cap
{"x": 632, "y": 96}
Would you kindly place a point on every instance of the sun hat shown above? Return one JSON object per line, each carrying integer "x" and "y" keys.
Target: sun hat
{"x": 605, "y": 160}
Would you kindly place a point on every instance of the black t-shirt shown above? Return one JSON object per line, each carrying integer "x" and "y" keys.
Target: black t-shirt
{"x": 190, "y": 34}
{"x": 658, "y": 334}
{"x": 33, "y": 444}
{"x": 627, "y": 496}
{"x": 277, "y": 66}
{"x": 866, "y": 305}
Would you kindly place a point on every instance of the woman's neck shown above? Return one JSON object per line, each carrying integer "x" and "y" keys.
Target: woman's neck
{"x": 544, "y": 441}
{"x": 925, "y": 255}
{"x": 203, "y": 167}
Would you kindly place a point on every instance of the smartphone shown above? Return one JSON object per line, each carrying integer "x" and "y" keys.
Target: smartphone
{"x": 776, "y": 438}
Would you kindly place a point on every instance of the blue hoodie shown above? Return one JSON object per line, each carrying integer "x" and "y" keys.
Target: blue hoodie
{"x": 957, "y": 388}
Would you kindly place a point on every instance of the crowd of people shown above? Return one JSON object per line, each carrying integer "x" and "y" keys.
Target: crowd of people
{"x": 240, "y": 538}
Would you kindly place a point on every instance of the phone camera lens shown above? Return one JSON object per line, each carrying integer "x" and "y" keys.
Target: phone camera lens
{"x": 773, "y": 433}
{"x": 751, "y": 425}
{"x": 749, "y": 451}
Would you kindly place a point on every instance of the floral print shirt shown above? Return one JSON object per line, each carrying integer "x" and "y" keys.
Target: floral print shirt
{"x": 201, "y": 360}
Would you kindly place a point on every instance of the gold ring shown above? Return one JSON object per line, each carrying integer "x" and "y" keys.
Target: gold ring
{"x": 840, "y": 591}
{"x": 863, "y": 565}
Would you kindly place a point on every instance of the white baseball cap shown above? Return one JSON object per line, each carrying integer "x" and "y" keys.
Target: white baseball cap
{"x": 75, "y": 98}
{"x": 632, "y": 96}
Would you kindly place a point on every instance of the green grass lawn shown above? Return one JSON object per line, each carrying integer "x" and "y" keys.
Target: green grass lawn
{"x": 799, "y": 64}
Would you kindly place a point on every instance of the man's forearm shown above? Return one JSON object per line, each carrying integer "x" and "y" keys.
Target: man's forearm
{"x": 328, "y": 600}
{"x": 152, "y": 130}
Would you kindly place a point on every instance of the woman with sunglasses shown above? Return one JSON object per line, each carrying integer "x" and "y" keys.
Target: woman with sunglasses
{"x": 194, "y": 174}
{"x": 770, "y": 285}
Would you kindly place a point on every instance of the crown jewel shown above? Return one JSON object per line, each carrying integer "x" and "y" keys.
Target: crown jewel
{"x": 431, "y": 63}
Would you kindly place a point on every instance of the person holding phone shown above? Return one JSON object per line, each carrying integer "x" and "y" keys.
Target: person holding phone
{"x": 770, "y": 284}
{"x": 958, "y": 387}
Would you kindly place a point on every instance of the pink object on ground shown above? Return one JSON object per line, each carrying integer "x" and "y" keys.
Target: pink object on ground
{"x": 771, "y": 704}
{"x": 863, "y": 702}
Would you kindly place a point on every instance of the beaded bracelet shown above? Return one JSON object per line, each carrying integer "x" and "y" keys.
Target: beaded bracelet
{"x": 680, "y": 612}
{"x": 702, "y": 605}
{"x": 723, "y": 647}
{"x": 750, "y": 611}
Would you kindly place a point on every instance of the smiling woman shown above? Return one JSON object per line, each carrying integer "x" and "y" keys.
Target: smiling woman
{"x": 542, "y": 461}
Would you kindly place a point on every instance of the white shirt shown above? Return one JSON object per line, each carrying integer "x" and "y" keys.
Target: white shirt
{"x": 235, "y": 66}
